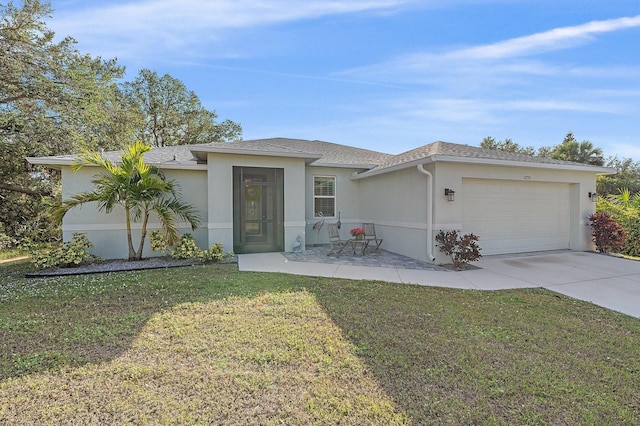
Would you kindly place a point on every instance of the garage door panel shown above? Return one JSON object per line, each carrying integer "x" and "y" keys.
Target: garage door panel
{"x": 515, "y": 216}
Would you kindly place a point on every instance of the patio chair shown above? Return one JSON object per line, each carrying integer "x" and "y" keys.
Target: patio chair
{"x": 337, "y": 244}
{"x": 370, "y": 235}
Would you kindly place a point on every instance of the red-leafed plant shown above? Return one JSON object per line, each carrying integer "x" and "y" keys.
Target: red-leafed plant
{"x": 462, "y": 249}
{"x": 608, "y": 234}
{"x": 357, "y": 231}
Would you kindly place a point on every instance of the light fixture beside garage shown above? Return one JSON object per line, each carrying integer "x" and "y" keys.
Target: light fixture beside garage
{"x": 593, "y": 196}
{"x": 450, "y": 194}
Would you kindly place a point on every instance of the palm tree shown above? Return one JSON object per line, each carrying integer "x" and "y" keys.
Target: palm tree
{"x": 581, "y": 152}
{"x": 138, "y": 187}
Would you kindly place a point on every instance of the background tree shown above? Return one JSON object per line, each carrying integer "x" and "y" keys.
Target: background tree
{"x": 173, "y": 115}
{"x": 140, "y": 189}
{"x": 581, "y": 152}
{"x": 627, "y": 177}
{"x": 55, "y": 101}
{"x": 507, "y": 145}
{"x": 569, "y": 150}
{"x": 50, "y": 102}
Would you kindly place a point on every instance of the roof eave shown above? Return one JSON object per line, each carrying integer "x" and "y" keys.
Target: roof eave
{"x": 488, "y": 161}
{"x": 201, "y": 153}
{"x": 52, "y": 162}
{"x": 343, "y": 165}
{"x": 516, "y": 163}
{"x": 59, "y": 163}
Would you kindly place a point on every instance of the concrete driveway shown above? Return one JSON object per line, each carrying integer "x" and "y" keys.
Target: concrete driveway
{"x": 606, "y": 281}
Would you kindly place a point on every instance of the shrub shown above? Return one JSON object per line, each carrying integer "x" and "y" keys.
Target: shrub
{"x": 186, "y": 248}
{"x": 631, "y": 245}
{"x": 6, "y": 241}
{"x": 607, "y": 233}
{"x": 158, "y": 241}
{"x": 462, "y": 250}
{"x": 71, "y": 253}
{"x": 213, "y": 253}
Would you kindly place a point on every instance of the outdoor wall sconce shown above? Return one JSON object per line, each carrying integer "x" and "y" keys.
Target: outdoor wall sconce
{"x": 593, "y": 196}
{"x": 450, "y": 194}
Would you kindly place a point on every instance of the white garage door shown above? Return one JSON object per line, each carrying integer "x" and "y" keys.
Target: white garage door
{"x": 514, "y": 216}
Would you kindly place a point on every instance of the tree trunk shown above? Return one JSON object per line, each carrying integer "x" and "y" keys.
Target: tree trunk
{"x": 142, "y": 236}
{"x": 132, "y": 252}
{"x": 22, "y": 189}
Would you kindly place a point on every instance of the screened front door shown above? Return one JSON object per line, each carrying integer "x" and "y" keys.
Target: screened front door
{"x": 258, "y": 210}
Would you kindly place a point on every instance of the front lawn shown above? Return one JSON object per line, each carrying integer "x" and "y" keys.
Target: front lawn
{"x": 211, "y": 345}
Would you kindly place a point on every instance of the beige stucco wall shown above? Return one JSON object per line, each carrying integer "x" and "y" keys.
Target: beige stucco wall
{"x": 397, "y": 202}
{"x": 220, "y": 200}
{"x": 108, "y": 231}
{"x": 448, "y": 215}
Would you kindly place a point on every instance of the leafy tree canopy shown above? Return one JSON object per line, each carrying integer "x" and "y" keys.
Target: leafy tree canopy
{"x": 51, "y": 99}
{"x": 580, "y": 152}
{"x": 626, "y": 178}
{"x": 173, "y": 115}
{"x": 55, "y": 100}
{"x": 569, "y": 150}
{"x": 507, "y": 145}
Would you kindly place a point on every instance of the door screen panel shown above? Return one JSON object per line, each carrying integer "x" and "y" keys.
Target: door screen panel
{"x": 258, "y": 209}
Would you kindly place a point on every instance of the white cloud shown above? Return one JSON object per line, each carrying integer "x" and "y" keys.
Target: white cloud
{"x": 139, "y": 27}
{"x": 556, "y": 39}
{"x": 496, "y": 59}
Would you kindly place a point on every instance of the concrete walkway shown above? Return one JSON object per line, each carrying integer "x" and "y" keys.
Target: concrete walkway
{"x": 607, "y": 281}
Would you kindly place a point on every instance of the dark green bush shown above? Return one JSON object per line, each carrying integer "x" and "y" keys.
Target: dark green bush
{"x": 631, "y": 245}
{"x": 71, "y": 253}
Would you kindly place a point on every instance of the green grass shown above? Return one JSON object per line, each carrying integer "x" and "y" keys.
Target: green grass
{"x": 209, "y": 344}
{"x": 12, "y": 253}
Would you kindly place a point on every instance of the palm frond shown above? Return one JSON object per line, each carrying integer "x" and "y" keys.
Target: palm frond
{"x": 60, "y": 211}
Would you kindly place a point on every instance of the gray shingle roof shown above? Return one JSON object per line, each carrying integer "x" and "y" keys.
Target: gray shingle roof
{"x": 330, "y": 154}
{"x": 448, "y": 149}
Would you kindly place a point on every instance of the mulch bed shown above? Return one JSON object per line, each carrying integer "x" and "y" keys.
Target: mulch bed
{"x": 118, "y": 265}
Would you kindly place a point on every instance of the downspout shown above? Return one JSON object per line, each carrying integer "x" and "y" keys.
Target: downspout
{"x": 427, "y": 173}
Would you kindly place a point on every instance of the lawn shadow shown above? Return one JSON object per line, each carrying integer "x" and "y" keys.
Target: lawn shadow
{"x": 474, "y": 357}
{"x": 441, "y": 355}
{"x": 53, "y": 323}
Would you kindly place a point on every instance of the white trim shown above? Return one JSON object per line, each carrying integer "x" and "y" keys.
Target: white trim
{"x": 342, "y": 165}
{"x": 393, "y": 224}
{"x": 334, "y": 196}
{"x": 116, "y": 227}
{"x": 57, "y": 162}
{"x": 226, "y": 149}
{"x": 490, "y": 161}
{"x": 295, "y": 224}
{"x": 218, "y": 225}
{"x": 447, "y": 226}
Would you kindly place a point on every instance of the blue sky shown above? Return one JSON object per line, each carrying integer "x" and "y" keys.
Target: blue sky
{"x": 388, "y": 75}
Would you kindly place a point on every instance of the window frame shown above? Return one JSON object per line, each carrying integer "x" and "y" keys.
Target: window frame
{"x": 325, "y": 197}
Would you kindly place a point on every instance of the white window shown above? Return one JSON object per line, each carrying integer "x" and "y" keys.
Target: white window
{"x": 324, "y": 196}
